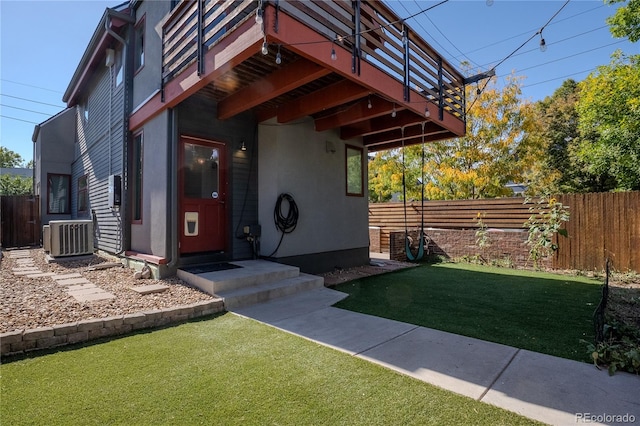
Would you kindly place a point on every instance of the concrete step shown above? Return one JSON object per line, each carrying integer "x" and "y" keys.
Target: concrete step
{"x": 263, "y": 292}
{"x": 250, "y": 273}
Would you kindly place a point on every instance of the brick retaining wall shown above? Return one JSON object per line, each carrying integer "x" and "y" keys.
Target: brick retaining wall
{"x": 16, "y": 342}
{"x": 507, "y": 247}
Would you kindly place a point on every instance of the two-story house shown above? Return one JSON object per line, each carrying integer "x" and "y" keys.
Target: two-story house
{"x": 196, "y": 121}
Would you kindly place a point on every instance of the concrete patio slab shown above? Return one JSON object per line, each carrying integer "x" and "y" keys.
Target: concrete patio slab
{"x": 344, "y": 330}
{"x": 66, "y": 276}
{"x": 24, "y": 269}
{"x": 85, "y": 291}
{"x": 461, "y": 364}
{"x": 73, "y": 281}
{"x": 94, "y": 297}
{"x": 151, "y": 288}
{"x": 27, "y": 272}
{"x": 41, "y": 275}
{"x": 80, "y": 287}
{"x": 561, "y": 391}
{"x": 292, "y": 306}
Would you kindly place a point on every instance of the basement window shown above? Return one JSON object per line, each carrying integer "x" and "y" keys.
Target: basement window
{"x": 354, "y": 171}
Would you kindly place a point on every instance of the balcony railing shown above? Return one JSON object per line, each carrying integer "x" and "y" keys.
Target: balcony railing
{"x": 370, "y": 30}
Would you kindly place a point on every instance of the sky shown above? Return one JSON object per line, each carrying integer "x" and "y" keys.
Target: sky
{"x": 41, "y": 43}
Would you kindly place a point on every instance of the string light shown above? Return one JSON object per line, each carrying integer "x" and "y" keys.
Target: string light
{"x": 369, "y": 106}
{"x": 426, "y": 112}
{"x": 543, "y": 44}
{"x": 394, "y": 113}
{"x": 265, "y": 47}
{"x": 333, "y": 53}
{"x": 278, "y": 57}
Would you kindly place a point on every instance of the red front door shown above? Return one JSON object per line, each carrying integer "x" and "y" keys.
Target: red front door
{"x": 202, "y": 195}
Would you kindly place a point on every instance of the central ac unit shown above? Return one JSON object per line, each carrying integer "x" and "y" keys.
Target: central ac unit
{"x": 68, "y": 237}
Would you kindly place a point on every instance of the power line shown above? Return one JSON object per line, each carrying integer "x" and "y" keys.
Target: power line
{"x": 559, "y": 78}
{"x": 18, "y": 119}
{"x": 30, "y": 85}
{"x": 24, "y": 109}
{"x": 29, "y": 100}
{"x": 571, "y": 56}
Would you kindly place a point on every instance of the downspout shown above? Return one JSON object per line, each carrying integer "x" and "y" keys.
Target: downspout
{"x": 172, "y": 186}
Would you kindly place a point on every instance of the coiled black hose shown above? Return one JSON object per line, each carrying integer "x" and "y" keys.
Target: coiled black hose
{"x": 286, "y": 223}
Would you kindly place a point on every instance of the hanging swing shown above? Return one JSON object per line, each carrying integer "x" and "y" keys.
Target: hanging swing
{"x": 407, "y": 242}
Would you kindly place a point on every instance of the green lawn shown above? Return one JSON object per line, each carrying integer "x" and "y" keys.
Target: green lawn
{"x": 541, "y": 312}
{"x": 225, "y": 370}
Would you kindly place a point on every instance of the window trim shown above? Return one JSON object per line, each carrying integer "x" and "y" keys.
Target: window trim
{"x": 67, "y": 210}
{"x": 83, "y": 193}
{"x": 137, "y": 57}
{"x": 119, "y": 68}
{"x": 137, "y": 178}
{"x": 360, "y": 150}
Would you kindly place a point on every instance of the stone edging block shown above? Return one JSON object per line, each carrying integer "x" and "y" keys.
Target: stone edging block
{"x": 21, "y": 341}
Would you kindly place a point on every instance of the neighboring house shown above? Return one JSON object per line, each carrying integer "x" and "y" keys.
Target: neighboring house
{"x": 54, "y": 143}
{"x": 194, "y": 117}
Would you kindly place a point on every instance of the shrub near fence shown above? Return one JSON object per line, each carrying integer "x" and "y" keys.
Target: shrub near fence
{"x": 601, "y": 225}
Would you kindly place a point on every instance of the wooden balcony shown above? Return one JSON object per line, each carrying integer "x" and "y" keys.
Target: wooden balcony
{"x": 352, "y": 66}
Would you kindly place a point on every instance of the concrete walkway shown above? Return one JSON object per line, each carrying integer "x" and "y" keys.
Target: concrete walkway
{"x": 553, "y": 390}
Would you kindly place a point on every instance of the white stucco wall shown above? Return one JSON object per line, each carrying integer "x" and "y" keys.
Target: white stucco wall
{"x": 294, "y": 159}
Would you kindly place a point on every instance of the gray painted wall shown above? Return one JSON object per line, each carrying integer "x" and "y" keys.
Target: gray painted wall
{"x": 147, "y": 80}
{"x": 54, "y": 150}
{"x": 150, "y": 235}
{"x": 294, "y": 159}
{"x": 100, "y": 153}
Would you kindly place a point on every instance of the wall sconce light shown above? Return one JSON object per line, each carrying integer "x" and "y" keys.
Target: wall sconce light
{"x": 243, "y": 147}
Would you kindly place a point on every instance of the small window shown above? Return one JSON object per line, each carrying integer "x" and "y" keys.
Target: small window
{"x": 354, "y": 171}
{"x": 139, "y": 46}
{"x": 136, "y": 177}
{"x": 119, "y": 68}
{"x": 83, "y": 198}
{"x": 85, "y": 111}
{"x": 58, "y": 191}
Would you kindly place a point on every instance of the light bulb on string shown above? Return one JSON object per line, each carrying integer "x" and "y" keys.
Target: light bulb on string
{"x": 265, "y": 48}
{"x": 394, "y": 113}
{"x": 369, "y": 106}
{"x": 543, "y": 45}
{"x": 333, "y": 54}
{"x": 426, "y": 112}
{"x": 278, "y": 57}
{"x": 259, "y": 16}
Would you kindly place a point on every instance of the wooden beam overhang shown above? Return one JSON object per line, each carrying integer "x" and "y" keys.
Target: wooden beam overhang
{"x": 317, "y": 48}
{"x": 381, "y": 124}
{"x": 273, "y": 85}
{"x": 410, "y": 132}
{"x": 221, "y": 58}
{"x": 355, "y": 113}
{"x": 337, "y": 94}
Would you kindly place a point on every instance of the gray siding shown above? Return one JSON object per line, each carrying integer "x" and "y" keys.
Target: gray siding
{"x": 100, "y": 153}
{"x": 196, "y": 117}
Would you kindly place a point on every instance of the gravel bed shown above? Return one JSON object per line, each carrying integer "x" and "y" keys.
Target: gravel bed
{"x": 28, "y": 303}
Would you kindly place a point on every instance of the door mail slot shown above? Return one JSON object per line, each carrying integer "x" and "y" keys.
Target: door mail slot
{"x": 191, "y": 224}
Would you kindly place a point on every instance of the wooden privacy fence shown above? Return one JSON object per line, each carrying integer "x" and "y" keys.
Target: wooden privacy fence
{"x": 19, "y": 220}
{"x": 601, "y": 225}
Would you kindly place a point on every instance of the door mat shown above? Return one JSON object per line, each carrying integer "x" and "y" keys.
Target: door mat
{"x": 210, "y": 267}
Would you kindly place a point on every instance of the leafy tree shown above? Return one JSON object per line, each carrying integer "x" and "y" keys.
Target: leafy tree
{"x": 15, "y": 185}
{"x": 9, "y": 158}
{"x": 626, "y": 21}
{"x": 609, "y": 123}
{"x": 481, "y": 163}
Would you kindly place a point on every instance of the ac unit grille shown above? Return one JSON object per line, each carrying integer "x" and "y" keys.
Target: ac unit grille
{"x": 71, "y": 238}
